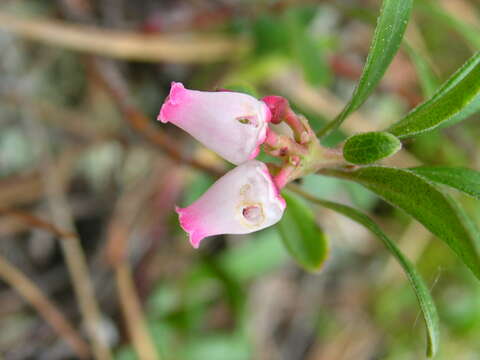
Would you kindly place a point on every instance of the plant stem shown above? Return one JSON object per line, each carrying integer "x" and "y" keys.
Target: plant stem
{"x": 132, "y": 310}
{"x": 33, "y": 295}
{"x": 124, "y": 44}
{"x": 74, "y": 256}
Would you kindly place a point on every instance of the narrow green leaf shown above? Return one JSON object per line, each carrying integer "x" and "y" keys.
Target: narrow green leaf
{"x": 270, "y": 35}
{"x": 369, "y": 147}
{"x": 312, "y": 60}
{"x": 426, "y": 76}
{"x": 460, "y": 178}
{"x": 469, "y": 32}
{"x": 301, "y": 235}
{"x": 424, "y": 298}
{"x": 305, "y": 49}
{"x": 420, "y": 199}
{"x": 388, "y": 35}
{"x": 457, "y": 98}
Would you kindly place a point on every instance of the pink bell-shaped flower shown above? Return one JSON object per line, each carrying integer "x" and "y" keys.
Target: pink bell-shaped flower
{"x": 232, "y": 124}
{"x": 242, "y": 201}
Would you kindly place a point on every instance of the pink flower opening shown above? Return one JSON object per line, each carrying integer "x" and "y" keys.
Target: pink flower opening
{"x": 192, "y": 225}
{"x": 242, "y": 201}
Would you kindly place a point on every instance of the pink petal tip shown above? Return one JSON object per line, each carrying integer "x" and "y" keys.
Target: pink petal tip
{"x": 175, "y": 98}
{"x": 187, "y": 222}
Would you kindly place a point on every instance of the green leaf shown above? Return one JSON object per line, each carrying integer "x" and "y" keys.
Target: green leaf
{"x": 423, "y": 201}
{"x": 426, "y": 76}
{"x": 369, "y": 147}
{"x": 255, "y": 258}
{"x": 301, "y": 235}
{"x": 215, "y": 346}
{"x": 304, "y": 48}
{"x": 457, "y": 98}
{"x": 460, "y": 178}
{"x": 469, "y": 32}
{"x": 270, "y": 35}
{"x": 311, "y": 59}
{"x": 388, "y": 35}
{"x": 424, "y": 298}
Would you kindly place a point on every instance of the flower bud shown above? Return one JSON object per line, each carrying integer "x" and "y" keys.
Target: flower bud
{"x": 242, "y": 201}
{"x": 278, "y": 107}
{"x": 232, "y": 124}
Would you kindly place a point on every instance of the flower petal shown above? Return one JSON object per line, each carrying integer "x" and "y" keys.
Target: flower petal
{"x": 242, "y": 201}
{"x": 234, "y": 125}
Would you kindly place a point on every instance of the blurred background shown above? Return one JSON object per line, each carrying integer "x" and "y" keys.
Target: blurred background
{"x": 90, "y": 248}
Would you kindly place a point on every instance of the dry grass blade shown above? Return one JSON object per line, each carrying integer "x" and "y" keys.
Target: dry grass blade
{"x": 32, "y": 294}
{"x": 54, "y": 185}
{"x": 116, "y": 252}
{"x": 77, "y": 264}
{"x": 132, "y": 311}
{"x": 19, "y": 190}
{"x": 35, "y": 221}
{"x": 178, "y": 48}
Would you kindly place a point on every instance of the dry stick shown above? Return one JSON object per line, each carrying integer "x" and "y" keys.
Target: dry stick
{"x": 132, "y": 310}
{"x": 55, "y": 115}
{"x": 32, "y": 294}
{"x": 35, "y": 221}
{"x": 71, "y": 247}
{"x": 127, "y": 209}
{"x": 25, "y": 189}
{"x": 19, "y": 190}
{"x": 16, "y": 191}
{"x": 175, "y": 48}
{"x": 110, "y": 78}
{"x": 77, "y": 263}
